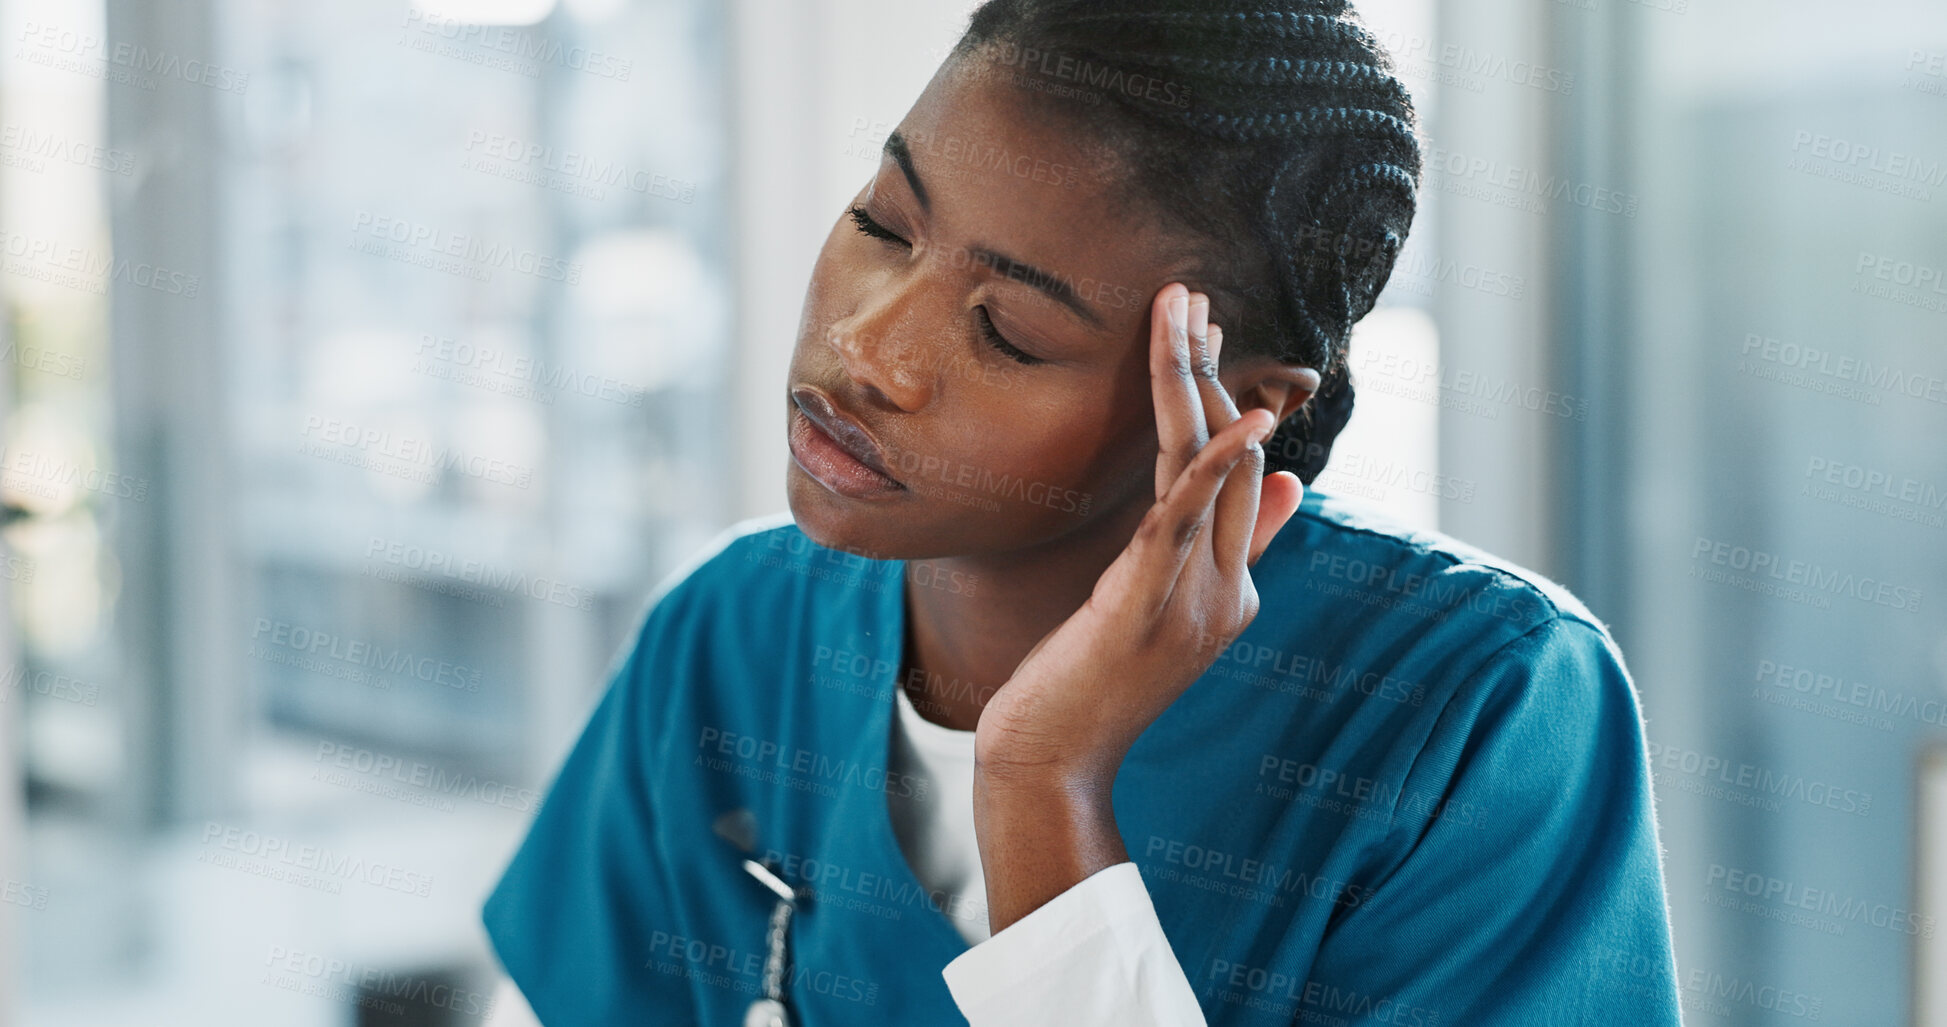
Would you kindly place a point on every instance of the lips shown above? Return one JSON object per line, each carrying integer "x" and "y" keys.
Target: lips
{"x": 845, "y": 430}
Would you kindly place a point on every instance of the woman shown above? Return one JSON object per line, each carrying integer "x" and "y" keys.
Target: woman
{"x": 1049, "y": 704}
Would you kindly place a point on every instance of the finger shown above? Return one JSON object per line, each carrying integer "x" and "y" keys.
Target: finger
{"x": 1180, "y": 430}
{"x": 1234, "y": 519}
{"x": 1277, "y": 502}
{"x": 1176, "y": 524}
{"x": 1199, "y": 328}
{"x": 1218, "y": 410}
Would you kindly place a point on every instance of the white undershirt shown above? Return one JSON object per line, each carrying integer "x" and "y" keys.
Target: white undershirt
{"x": 936, "y": 829}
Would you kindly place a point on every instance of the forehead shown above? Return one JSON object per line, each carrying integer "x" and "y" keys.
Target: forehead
{"x": 1014, "y": 172}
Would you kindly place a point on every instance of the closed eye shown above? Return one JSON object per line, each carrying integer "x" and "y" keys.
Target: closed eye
{"x": 998, "y": 341}
{"x": 868, "y": 226}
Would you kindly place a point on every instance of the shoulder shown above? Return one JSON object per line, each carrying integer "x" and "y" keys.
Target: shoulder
{"x": 1437, "y": 612}
{"x": 1523, "y": 683}
{"x": 720, "y": 613}
{"x": 730, "y": 562}
{"x": 734, "y": 568}
{"x": 1349, "y": 551}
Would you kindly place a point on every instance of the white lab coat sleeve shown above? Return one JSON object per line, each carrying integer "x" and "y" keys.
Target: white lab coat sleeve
{"x": 1095, "y": 954}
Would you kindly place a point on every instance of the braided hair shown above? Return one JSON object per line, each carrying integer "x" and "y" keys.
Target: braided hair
{"x": 1274, "y": 129}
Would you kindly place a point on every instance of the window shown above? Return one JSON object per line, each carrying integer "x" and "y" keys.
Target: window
{"x": 413, "y": 331}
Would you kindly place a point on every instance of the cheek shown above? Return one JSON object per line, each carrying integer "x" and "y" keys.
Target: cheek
{"x": 836, "y": 278}
{"x": 1064, "y": 436}
{"x": 823, "y": 292}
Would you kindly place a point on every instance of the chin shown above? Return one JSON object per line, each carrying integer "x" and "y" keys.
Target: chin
{"x": 918, "y": 527}
{"x": 911, "y": 528}
{"x": 836, "y": 522}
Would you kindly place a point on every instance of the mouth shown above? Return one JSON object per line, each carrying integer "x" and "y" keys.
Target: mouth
{"x": 836, "y": 449}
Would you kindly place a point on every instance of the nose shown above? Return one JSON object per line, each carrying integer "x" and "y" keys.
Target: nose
{"x": 887, "y": 342}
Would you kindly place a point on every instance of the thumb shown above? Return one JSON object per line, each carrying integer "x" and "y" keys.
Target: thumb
{"x": 1277, "y": 500}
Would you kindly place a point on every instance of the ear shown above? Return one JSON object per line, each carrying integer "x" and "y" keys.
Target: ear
{"x": 1264, "y": 382}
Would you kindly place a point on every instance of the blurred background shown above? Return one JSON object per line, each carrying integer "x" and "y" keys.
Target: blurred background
{"x": 364, "y": 364}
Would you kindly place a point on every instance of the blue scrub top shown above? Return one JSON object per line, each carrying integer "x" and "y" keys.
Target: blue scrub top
{"x": 1413, "y": 793}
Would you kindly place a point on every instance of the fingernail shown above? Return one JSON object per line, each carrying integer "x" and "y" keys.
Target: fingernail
{"x": 1180, "y": 312}
{"x": 1256, "y": 436}
{"x": 1214, "y": 341}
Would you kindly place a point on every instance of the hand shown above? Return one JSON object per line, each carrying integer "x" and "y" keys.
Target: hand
{"x": 1173, "y": 599}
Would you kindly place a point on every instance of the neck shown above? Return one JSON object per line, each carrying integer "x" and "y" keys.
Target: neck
{"x": 960, "y": 648}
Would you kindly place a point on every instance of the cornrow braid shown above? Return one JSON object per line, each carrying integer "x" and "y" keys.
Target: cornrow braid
{"x": 1369, "y": 177}
{"x": 1288, "y": 143}
{"x": 1270, "y": 71}
{"x": 1329, "y": 25}
{"x": 1312, "y": 121}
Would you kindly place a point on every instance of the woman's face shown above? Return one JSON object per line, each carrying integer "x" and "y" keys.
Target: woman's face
{"x": 988, "y": 234}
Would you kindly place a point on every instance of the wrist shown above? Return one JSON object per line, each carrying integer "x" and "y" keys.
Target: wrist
{"x": 1069, "y": 787}
{"x": 1042, "y": 829}
{"x": 1013, "y": 751}
{"x": 1077, "y": 778}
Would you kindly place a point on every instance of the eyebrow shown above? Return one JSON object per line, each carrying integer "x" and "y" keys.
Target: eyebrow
{"x": 896, "y": 149}
{"x": 1047, "y": 282}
